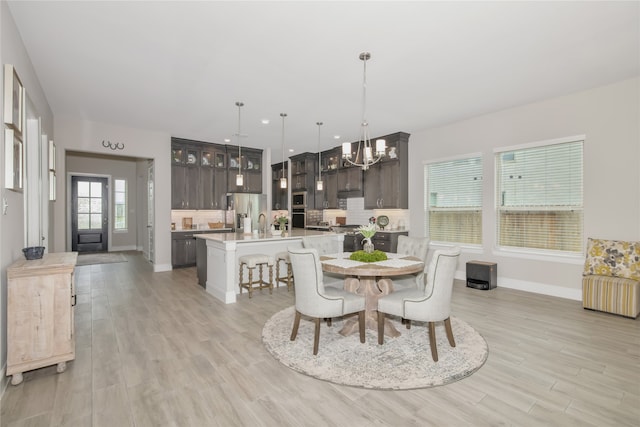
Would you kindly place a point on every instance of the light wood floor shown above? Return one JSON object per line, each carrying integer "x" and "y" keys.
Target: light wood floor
{"x": 154, "y": 349}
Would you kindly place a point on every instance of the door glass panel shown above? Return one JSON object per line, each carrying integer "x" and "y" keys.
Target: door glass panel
{"x": 96, "y": 221}
{"x": 96, "y": 189}
{"x": 83, "y": 189}
{"x": 83, "y": 221}
{"x": 83, "y": 204}
{"x": 96, "y": 205}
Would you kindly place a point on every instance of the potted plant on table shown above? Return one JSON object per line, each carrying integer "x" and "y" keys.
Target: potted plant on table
{"x": 282, "y": 224}
{"x": 367, "y": 231}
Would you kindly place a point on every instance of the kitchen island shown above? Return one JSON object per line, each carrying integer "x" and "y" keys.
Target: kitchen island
{"x": 224, "y": 249}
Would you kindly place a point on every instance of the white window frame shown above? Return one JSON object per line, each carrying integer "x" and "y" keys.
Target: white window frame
{"x": 427, "y": 192}
{"x": 530, "y": 252}
{"x": 115, "y": 205}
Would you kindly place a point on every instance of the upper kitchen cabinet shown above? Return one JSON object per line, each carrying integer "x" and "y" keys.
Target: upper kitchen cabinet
{"x": 213, "y": 177}
{"x": 328, "y": 197}
{"x": 251, "y": 167}
{"x": 386, "y": 182}
{"x": 279, "y": 196}
{"x": 303, "y": 172}
{"x": 350, "y": 176}
{"x": 185, "y": 175}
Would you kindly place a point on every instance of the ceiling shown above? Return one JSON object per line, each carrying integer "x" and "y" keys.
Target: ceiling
{"x": 179, "y": 67}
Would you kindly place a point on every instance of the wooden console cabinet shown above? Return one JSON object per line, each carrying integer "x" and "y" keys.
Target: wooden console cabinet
{"x": 40, "y": 322}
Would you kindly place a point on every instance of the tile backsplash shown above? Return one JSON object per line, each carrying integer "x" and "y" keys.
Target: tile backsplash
{"x": 357, "y": 214}
{"x": 201, "y": 218}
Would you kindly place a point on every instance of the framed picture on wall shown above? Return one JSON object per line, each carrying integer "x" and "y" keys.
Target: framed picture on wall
{"x": 13, "y": 158}
{"x": 13, "y": 99}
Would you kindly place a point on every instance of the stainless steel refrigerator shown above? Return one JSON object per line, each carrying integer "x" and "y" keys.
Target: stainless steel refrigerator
{"x": 252, "y": 206}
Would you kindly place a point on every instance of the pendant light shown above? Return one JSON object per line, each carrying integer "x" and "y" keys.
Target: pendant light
{"x": 364, "y": 144}
{"x": 283, "y": 180}
{"x": 239, "y": 177}
{"x": 319, "y": 183}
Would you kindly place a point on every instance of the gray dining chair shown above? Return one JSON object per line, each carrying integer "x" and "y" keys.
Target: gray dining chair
{"x": 315, "y": 300}
{"x": 430, "y": 304}
{"x": 417, "y": 247}
{"x": 326, "y": 245}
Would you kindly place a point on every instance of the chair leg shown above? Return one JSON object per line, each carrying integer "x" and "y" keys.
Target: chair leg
{"x": 361, "y": 322}
{"x": 447, "y": 326}
{"x": 407, "y": 323}
{"x": 296, "y": 323}
{"x": 241, "y": 276}
{"x": 316, "y": 336}
{"x": 432, "y": 341}
{"x": 278, "y": 273}
{"x": 381, "y": 317}
{"x": 328, "y": 319}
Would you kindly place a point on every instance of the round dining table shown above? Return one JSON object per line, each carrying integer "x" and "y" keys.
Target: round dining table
{"x": 371, "y": 280}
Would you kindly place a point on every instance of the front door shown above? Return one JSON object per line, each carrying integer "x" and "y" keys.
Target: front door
{"x": 89, "y": 214}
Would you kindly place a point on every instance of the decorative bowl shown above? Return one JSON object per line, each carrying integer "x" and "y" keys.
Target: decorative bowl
{"x": 33, "y": 252}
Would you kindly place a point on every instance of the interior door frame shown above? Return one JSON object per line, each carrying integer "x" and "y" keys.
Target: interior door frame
{"x": 69, "y": 202}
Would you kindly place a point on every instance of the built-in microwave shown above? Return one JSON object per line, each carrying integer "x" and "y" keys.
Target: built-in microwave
{"x": 299, "y": 200}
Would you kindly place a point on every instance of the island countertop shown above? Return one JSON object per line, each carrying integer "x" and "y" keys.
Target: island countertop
{"x": 294, "y": 234}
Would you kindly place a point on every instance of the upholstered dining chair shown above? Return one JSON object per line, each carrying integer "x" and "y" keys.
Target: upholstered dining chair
{"x": 431, "y": 304}
{"x": 314, "y": 300}
{"x": 417, "y": 247}
{"x": 326, "y": 245}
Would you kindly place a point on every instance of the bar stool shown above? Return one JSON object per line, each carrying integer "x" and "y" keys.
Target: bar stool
{"x": 251, "y": 262}
{"x": 288, "y": 279}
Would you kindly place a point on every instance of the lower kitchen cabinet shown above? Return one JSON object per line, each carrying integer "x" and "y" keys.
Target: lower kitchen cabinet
{"x": 387, "y": 242}
{"x": 183, "y": 249}
{"x": 40, "y": 319}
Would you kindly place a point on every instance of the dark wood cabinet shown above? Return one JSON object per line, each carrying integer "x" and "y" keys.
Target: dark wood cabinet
{"x": 213, "y": 177}
{"x": 198, "y": 175}
{"x": 328, "y": 197}
{"x": 183, "y": 249}
{"x": 185, "y": 176}
{"x": 279, "y": 196}
{"x": 386, "y": 182}
{"x": 251, "y": 167}
{"x": 350, "y": 176}
{"x": 304, "y": 172}
{"x": 387, "y": 242}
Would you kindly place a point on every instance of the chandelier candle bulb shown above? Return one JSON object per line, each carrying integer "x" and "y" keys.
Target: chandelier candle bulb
{"x": 346, "y": 150}
{"x": 380, "y": 147}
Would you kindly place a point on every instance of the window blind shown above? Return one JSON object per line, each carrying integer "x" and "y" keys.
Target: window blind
{"x": 540, "y": 197}
{"x": 453, "y": 200}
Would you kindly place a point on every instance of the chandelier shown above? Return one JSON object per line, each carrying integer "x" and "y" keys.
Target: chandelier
{"x": 365, "y": 155}
{"x": 239, "y": 177}
{"x": 283, "y": 180}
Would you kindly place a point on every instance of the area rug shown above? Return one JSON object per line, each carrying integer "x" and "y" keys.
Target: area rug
{"x": 100, "y": 258}
{"x": 401, "y": 363}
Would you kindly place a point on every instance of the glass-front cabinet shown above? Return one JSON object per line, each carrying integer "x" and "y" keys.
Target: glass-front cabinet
{"x": 280, "y": 196}
{"x": 328, "y": 197}
{"x": 250, "y": 166}
{"x": 350, "y": 176}
{"x": 213, "y": 177}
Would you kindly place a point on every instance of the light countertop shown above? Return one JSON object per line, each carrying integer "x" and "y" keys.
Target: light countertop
{"x": 245, "y": 238}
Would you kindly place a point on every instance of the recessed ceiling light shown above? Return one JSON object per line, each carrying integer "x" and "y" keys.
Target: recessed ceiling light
{"x": 336, "y": 136}
{"x": 227, "y": 140}
{"x": 291, "y": 150}
{"x": 265, "y": 121}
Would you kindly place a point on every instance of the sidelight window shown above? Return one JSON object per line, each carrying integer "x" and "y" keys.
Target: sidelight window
{"x": 120, "y": 205}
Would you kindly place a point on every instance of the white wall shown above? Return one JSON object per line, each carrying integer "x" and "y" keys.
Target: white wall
{"x": 86, "y": 136}
{"x": 12, "y": 224}
{"x": 609, "y": 116}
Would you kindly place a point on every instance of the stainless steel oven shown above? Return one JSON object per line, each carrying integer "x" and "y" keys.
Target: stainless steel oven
{"x": 298, "y": 218}
{"x": 299, "y": 200}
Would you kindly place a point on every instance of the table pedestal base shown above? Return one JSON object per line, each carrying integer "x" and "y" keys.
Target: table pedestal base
{"x": 372, "y": 291}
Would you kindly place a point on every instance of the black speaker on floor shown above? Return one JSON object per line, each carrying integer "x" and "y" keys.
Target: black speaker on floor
{"x": 482, "y": 275}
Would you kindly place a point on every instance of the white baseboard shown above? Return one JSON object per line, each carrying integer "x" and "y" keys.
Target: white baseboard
{"x": 536, "y": 288}
{"x": 123, "y": 248}
{"x": 158, "y": 268}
